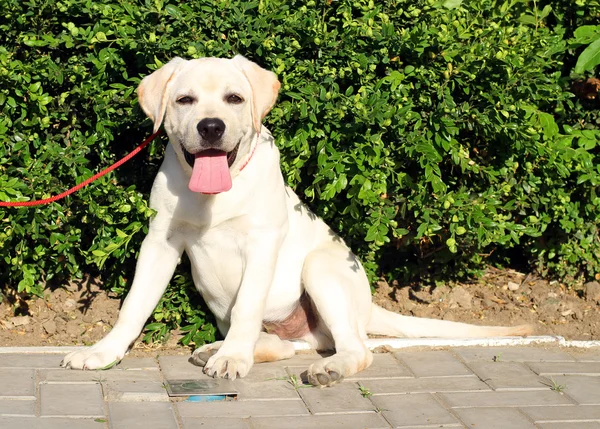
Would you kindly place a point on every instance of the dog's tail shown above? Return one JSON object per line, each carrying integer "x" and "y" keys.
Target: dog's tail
{"x": 384, "y": 322}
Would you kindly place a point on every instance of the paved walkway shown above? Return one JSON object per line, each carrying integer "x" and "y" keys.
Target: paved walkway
{"x": 463, "y": 387}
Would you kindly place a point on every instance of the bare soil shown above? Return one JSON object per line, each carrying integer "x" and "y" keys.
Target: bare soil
{"x": 82, "y": 313}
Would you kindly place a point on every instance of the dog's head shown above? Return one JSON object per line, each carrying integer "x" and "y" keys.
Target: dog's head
{"x": 212, "y": 110}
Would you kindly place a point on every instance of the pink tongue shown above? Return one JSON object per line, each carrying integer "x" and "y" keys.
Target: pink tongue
{"x": 210, "y": 174}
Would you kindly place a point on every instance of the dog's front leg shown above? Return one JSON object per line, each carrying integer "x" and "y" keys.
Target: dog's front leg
{"x": 156, "y": 264}
{"x": 235, "y": 357}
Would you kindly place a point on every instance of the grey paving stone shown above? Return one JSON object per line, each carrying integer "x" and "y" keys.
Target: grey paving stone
{"x": 17, "y": 382}
{"x": 23, "y": 360}
{"x": 413, "y": 410}
{"x": 433, "y": 363}
{"x": 271, "y": 389}
{"x": 512, "y": 354}
{"x": 266, "y": 371}
{"x": 342, "y": 398}
{"x": 422, "y": 385}
{"x": 494, "y": 418}
{"x": 82, "y": 400}
{"x": 146, "y": 363}
{"x": 384, "y": 365}
{"x": 300, "y": 362}
{"x": 76, "y": 376}
{"x": 48, "y": 423}
{"x": 127, "y": 391}
{"x": 62, "y": 375}
{"x": 302, "y": 359}
{"x": 335, "y": 421}
{"x": 563, "y": 425}
{"x": 558, "y": 368}
{"x": 17, "y": 407}
{"x": 584, "y": 390}
{"x": 508, "y": 376}
{"x": 242, "y": 409}
{"x": 591, "y": 355}
{"x": 504, "y": 399}
{"x": 215, "y": 422}
{"x": 560, "y": 414}
{"x": 179, "y": 368}
{"x": 142, "y": 415}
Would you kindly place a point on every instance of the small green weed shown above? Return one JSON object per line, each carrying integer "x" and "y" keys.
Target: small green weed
{"x": 555, "y": 386}
{"x": 365, "y": 392}
{"x": 295, "y": 381}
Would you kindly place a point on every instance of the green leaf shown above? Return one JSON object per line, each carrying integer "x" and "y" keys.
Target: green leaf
{"x": 586, "y": 34}
{"x": 154, "y": 326}
{"x": 100, "y": 36}
{"x": 174, "y": 11}
{"x": 429, "y": 151}
{"x": 548, "y": 124}
{"x": 452, "y": 4}
{"x": 110, "y": 365}
{"x": 589, "y": 58}
{"x": 587, "y": 144}
{"x": 528, "y": 19}
{"x": 372, "y": 232}
{"x": 34, "y": 87}
{"x": 545, "y": 12}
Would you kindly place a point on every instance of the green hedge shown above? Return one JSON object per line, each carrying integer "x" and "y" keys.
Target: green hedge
{"x": 435, "y": 136}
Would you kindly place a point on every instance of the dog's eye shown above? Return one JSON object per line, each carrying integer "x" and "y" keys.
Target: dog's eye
{"x": 234, "y": 99}
{"x": 185, "y": 100}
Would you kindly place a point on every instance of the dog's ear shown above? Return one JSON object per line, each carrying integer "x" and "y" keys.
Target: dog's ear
{"x": 153, "y": 91}
{"x": 265, "y": 88}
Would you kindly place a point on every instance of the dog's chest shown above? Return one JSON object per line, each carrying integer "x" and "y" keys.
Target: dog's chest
{"x": 217, "y": 258}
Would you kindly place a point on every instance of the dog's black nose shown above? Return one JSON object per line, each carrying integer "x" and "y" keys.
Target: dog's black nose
{"x": 211, "y": 129}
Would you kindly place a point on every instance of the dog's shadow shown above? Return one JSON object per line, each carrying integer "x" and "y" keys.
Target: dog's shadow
{"x": 352, "y": 258}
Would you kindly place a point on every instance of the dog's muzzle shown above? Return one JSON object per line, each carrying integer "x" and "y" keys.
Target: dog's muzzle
{"x": 231, "y": 156}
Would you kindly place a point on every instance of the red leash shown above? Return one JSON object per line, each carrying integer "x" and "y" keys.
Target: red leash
{"x": 85, "y": 182}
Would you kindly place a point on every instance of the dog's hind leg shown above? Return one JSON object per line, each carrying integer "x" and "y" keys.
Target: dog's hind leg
{"x": 339, "y": 289}
{"x": 269, "y": 348}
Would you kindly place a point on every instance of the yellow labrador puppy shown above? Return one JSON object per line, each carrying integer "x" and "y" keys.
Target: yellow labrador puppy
{"x": 268, "y": 268}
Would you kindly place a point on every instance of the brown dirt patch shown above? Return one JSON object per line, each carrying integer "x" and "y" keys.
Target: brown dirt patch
{"x": 82, "y": 313}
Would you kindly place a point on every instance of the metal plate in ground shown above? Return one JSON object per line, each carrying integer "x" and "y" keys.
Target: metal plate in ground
{"x": 212, "y": 386}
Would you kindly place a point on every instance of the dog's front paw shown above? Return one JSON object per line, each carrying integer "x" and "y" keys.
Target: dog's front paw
{"x": 225, "y": 366}
{"x": 202, "y": 354}
{"x": 99, "y": 356}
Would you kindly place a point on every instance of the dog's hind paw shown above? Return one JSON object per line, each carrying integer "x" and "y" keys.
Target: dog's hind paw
{"x": 324, "y": 374}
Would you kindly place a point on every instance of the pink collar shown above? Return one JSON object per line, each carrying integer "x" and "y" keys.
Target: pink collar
{"x": 249, "y": 158}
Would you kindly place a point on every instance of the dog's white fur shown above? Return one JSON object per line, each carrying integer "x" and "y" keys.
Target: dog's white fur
{"x": 256, "y": 251}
